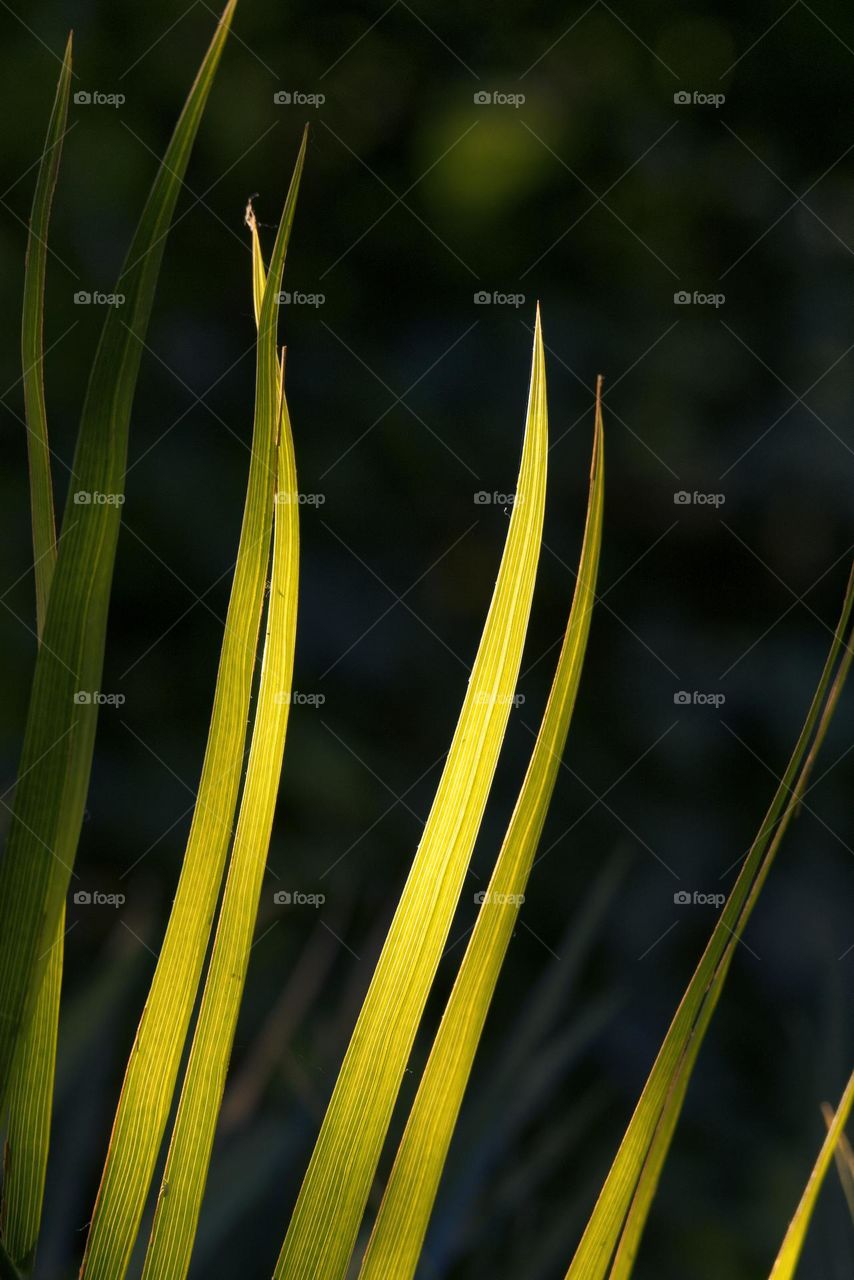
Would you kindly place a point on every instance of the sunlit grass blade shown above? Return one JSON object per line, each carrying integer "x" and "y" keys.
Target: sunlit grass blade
{"x": 153, "y": 1064}
{"x": 844, "y": 1155}
{"x": 30, "y": 1092}
{"x": 637, "y": 1166}
{"x": 401, "y": 1224}
{"x": 332, "y": 1200}
{"x": 793, "y": 1243}
{"x": 630, "y": 1238}
{"x": 184, "y": 1177}
{"x": 56, "y": 759}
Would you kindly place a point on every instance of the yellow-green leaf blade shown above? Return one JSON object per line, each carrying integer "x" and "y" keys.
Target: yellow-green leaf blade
{"x": 32, "y": 347}
{"x": 56, "y": 758}
{"x": 153, "y": 1065}
{"x": 178, "y": 1204}
{"x": 647, "y": 1137}
{"x": 331, "y": 1203}
{"x": 28, "y": 1128}
{"x": 31, "y": 1084}
{"x": 398, "y": 1234}
{"x": 793, "y": 1243}
{"x": 844, "y": 1160}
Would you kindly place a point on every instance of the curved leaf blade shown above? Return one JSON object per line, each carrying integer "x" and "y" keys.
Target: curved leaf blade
{"x": 844, "y": 1160}
{"x": 634, "y": 1173}
{"x": 32, "y": 346}
{"x": 56, "y": 758}
{"x": 179, "y": 1202}
{"x": 31, "y": 1083}
{"x": 398, "y": 1234}
{"x": 153, "y": 1064}
{"x": 331, "y": 1203}
{"x": 793, "y": 1243}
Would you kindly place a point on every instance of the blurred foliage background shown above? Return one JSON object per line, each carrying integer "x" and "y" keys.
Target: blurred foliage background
{"x": 592, "y": 186}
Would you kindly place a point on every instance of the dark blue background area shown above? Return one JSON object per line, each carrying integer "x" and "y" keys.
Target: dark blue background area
{"x": 603, "y": 197}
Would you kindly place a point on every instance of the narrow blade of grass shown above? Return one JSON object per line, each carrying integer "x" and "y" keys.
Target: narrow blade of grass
{"x": 398, "y": 1234}
{"x": 177, "y": 1212}
{"x": 844, "y": 1155}
{"x": 637, "y": 1166}
{"x": 32, "y": 347}
{"x": 653, "y": 1164}
{"x": 332, "y": 1200}
{"x": 56, "y": 758}
{"x": 28, "y": 1126}
{"x": 793, "y": 1243}
{"x": 30, "y": 1092}
{"x": 153, "y": 1064}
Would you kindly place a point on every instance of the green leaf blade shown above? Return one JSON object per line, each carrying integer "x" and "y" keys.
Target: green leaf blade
{"x": 178, "y": 1205}
{"x": 59, "y": 739}
{"x": 786, "y": 1261}
{"x": 32, "y": 346}
{"x": 153, "y": 1064}
{"x": 30, "y": 1108}
{"x": 630, "y": 1184}
{"x": 331, "y": 1203}
{"x": 31, "y": 1083}
{"x": 395, "y": 1244}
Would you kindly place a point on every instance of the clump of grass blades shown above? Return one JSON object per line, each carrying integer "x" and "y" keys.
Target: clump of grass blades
{"x": 53, "y": 779}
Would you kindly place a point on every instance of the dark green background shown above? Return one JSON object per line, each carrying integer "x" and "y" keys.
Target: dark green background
{"x": 602, "y": 197}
